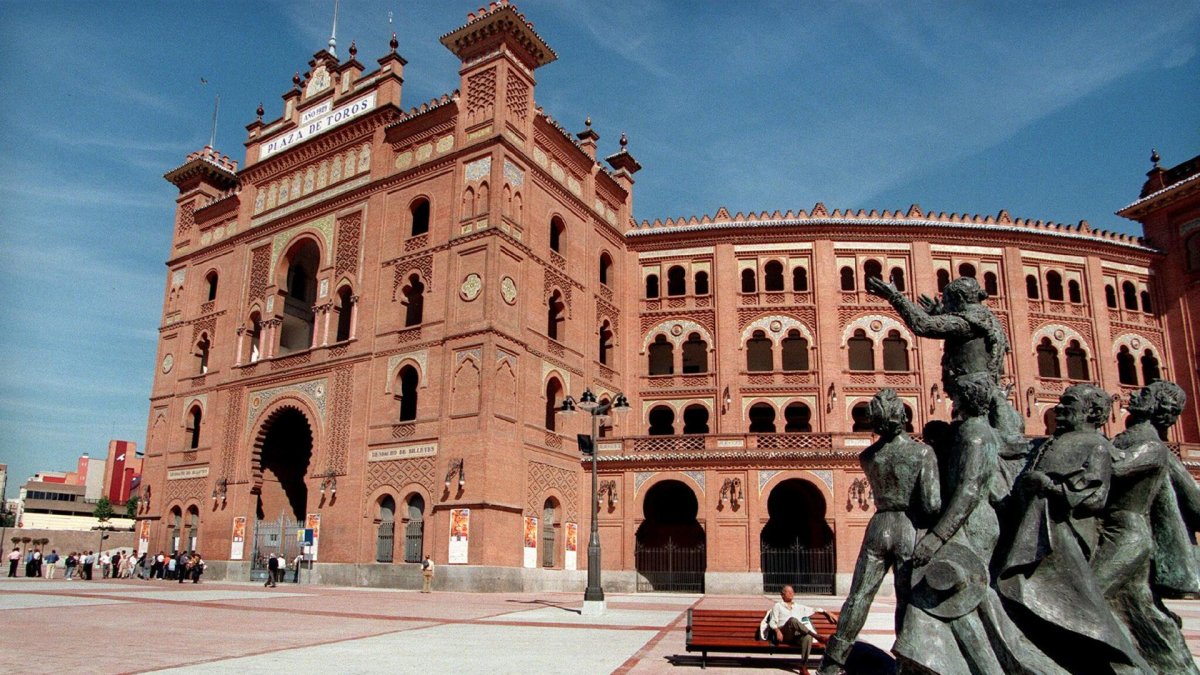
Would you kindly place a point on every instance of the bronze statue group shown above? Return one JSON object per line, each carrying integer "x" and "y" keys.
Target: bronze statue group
{"x": 1013, "y": 555}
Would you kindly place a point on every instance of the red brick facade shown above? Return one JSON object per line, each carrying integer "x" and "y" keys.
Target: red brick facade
{"x": 376, "y": 314}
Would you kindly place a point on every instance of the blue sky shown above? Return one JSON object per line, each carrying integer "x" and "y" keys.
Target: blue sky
{"x": 1048, "y": 110}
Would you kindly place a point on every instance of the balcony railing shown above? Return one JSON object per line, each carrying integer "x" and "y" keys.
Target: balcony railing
{"x": 726, "y": 445}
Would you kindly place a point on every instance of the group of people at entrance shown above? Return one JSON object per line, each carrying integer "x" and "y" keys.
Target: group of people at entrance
{"x": 82, "y": 565}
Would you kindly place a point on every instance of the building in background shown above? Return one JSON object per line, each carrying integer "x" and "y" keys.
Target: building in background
{"x": 67, "y": 500}
{"x": 368, "y": 329}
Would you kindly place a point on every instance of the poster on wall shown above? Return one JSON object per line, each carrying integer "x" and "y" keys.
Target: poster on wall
{"x": 460, "y": 534}
{"x": 237, "y": 546}
{"x": 313, "y": 522}
{"x": 143, "y": 537}
{"x": 531, "y": 525}
{"x": 569, "y": 561}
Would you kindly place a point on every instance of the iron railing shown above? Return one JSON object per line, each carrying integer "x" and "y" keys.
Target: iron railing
{"x": 807, "y": 569}
{"x": 670, "y": 568}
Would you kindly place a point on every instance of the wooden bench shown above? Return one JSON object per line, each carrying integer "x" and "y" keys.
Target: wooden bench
{"x": 736, "y": 630}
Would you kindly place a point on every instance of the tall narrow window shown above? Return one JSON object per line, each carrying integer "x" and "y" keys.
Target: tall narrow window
{"x": 872, "y": 270}
{"x": 345, "y": 308}
{"x": 414, "y": 301}
{"x": 1074, "y": 293}
{"x": 255, "y": 335}
{"x": 762, "y": 418}
{"x": 661, "y": 356}
{"x": 1032, "y": 288}
{"x": 202, "y": 354}
{"x": 895, "y": 352}
{"x": 554, "y": 399}
{"x": 966, "y": 270}
{"x": 847, "y": 278}
{"x": 662, "y": 421}
{"x": 695, "y": 419}
{"x": 1126, "y": 368}
{"x": 406, "y": 392}
{"x": 605, "y": 268}
{"x": 419, "y": 215}
{"x": 799, "y": 279}
{"x": 701, "y": 283}
{"x": 557, "y": 227}
{"x": 385, "y": 532}
{"x": 296, "y": 334}
{"x": 897, "y": 278}
{"x": 651, "y": 286}
{"x": 606, "y": 344}
{"x": 861, "y": 351}
{"x": 861, "y": 415}
{"x": 1145, "y": 296}
{"x": 695, "y": 355}
{"x": 1110, "y": 296}
{"x": 1054, "y": 286}
{"x": 549, "y": 531}
{"x": 1077, "y": 365}
{"x": 1130, "y": 293}
{"x": 749, "y": 283}
{"x": 1047, "y": 360}
{"x": 773, "y": 276}
{"x": 554, "y": 316}
{"x": 1150, "y": 371}
{"x": 798, "y": 418}
{"x": 943, "y": 280}
{"x": 989, "y": 284}
{"x": 210, "y": 282}
{"x": 676, "y": 281}
{"x": 758, "y": 353}
{"x": 193, "y": 427}
{"x": 795, "y": 351}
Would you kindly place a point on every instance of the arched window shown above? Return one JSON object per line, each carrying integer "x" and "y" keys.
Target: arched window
{"x": 773, "y": 276}
{"x": 414, "y": 301}
{"x": 897, "y": 278}
{"x": 676, "y": 281}
{"x": 414, "y": 531}
{"x": 943, "y": 280}
{"x": 176, "y": 526}
{"x": 605, "y": 267}
{"x": 662, "y": 356}
{"x": 211, "y": 282}
{"x": 1110, "y": 296}
{"x": 908, "y": 418}
{"x": 419, "y": 214}
{"x": 1150, "y": 372}
{"x": 345, "y": 308}
{"x": 193, "y": 528}
{"x": 554, "y": 316}
{"x": 549, "y": 532}
{"x": 1077, "y": 365}
{"x": 895, "y": 352}
{"x": 799, "y": 279}
{"x": 1032, "y": 288}
{"x": 861, "y": 415}
{"x": 255, "y": 336}
{"x": 1145, "y": 296}
{"x": 662, "y": 421}
{"x": 1126, "y": 367}
{"x": 861, "y": 351}
{"x": 554, "y": 399}
{"x": 966, "y": 270}
{"x": 1054, "y": 286}
{"x": 749, "y": 283}
{"x": 759, "y": 353}
{"x": 385, "y": 533}
{"x": 605, "y": 422}
{"x": 606, "y": 344}
{"x": 1047, "y": 360}
{"x": 1130, "y": 293}
{"x": 695, "y": 355}
{"x": 798, "y": 418}
{"x": 872, "y": 270}
{"x": 202, "y": 349}
{"x": 557, "y": 227}
{"x": 762, "y": 418}
{"x": 651, "y": 286}
{"x": 989, "y": 284}
{"x": 1074, "y": 294}
{"x": 701, "y": 283}
{"x": 695, "y": 419}
{"x": 406, "y": 393}
{"x": 795, "y": 351}
{"x": 194, "y": 418}
{"x": 846, "y": 276}
{"x": 298, "y": 318}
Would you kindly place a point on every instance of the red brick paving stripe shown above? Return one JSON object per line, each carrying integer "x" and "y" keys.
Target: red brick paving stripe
{"x": 653, "y": 642}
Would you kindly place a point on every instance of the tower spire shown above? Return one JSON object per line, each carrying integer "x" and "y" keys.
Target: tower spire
{"x": 333, "y": 34}
{"x": 212, "y": 139}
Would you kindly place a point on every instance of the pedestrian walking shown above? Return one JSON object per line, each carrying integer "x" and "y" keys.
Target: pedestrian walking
{"x": 37, "y": 562}
{"x": 51, "y": 563}
{"x": 72, "y": 564}
{"x": 14, "y": 559}
{"x": 105, "y": 564}
{"x": 427, "y": 574}
{"x": 197, "y": 567}
{"x": 272, "y": 570}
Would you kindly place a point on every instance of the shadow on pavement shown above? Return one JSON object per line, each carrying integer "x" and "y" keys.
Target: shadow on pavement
{"x": 547, "y": 603}
{"x": 865, "y": 659}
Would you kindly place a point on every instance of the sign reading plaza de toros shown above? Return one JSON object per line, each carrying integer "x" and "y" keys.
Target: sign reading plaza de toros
{"x": 315, "y": 121}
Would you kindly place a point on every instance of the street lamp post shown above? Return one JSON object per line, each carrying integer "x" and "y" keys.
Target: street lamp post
{"x": 593, "y": 597}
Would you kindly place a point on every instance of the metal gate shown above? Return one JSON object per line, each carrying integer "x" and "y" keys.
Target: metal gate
{"x": 385, "y": 541}
{"x": 273, "y": 536}
{"x": 807, "y": 569}
{"x": 414, "y": 541}
{"x": 678, "y": 569}
{"x": 549, "y": 554}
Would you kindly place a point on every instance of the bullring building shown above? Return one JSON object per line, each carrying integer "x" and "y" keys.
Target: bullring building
{"x": 369, "y": 327}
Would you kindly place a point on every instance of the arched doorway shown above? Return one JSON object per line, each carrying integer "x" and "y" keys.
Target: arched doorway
{"x": 193, "y": 528}
{"x": 414, "y": 530}
{"x": 670, "y": 547}
{"x": 385, "y": 533}
{"x": 797, "y": 543}
{"x": 283, "y": 451}
{"x": 549, "y": 532}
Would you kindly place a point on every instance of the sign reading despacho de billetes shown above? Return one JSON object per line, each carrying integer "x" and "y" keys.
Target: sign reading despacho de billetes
{"x": 184, "y": 474}
{"x": 315, "y": 121}
{"x": 403, "y": 452}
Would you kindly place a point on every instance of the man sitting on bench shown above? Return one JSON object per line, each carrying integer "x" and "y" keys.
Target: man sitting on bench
{"x": 788, "y": 623}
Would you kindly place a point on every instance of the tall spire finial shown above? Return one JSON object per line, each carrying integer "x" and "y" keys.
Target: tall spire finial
{"x": 333, "y": 34}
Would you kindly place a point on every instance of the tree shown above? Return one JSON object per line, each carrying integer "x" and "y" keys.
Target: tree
{"x": 104, "y": 510}
{"x": 131, "y": 507}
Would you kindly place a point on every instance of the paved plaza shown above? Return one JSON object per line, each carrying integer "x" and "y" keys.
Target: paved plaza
{"x": 162, "y": 626}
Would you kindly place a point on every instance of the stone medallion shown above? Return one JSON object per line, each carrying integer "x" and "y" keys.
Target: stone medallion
{"x": 508, "y": 290}
{"x": 470, "y": 287}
